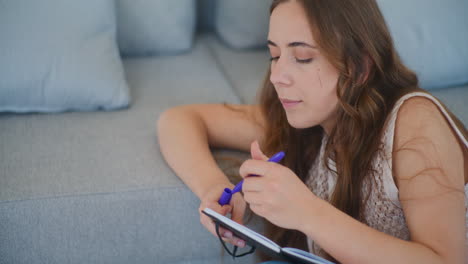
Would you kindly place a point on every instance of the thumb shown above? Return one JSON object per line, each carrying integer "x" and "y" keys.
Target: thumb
{"x": 225, "y": 209}
{"x": 256, "y": 152}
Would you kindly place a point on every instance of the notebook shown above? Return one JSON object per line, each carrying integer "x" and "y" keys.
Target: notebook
{"x": 259, "y": 241}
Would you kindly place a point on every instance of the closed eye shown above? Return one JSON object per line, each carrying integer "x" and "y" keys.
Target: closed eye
{"x": 305, "y": 61}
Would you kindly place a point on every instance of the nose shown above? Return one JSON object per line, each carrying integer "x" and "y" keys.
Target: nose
{"x": 279, "y": 75}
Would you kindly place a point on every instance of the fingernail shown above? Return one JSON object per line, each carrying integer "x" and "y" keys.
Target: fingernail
{"x": 240, "y": 243}
{"x": 227, "y": 234}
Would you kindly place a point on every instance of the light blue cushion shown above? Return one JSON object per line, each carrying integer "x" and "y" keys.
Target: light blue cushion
{"x": 243, "y": 23}
{"x": 431, "y": 37}
{"x": 59, "y": 55}
{"x": 151, "y": 27}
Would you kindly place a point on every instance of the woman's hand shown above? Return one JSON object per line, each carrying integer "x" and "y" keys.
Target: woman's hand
{"x": 236, "y": 207}
{"x": 276, "y": 193}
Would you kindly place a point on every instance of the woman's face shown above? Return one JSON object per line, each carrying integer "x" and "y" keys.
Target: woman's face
{"x": 303, "y": 78}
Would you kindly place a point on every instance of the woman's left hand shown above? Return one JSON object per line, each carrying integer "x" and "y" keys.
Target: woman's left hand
{"x": 276, "y": 193}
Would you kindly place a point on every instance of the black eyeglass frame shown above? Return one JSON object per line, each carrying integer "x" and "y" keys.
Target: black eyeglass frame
{"x": 234, "y": 252}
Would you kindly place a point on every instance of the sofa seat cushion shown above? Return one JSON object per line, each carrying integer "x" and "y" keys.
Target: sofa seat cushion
{"x": 92, "y": 187}
{"x": 100, "y": 152}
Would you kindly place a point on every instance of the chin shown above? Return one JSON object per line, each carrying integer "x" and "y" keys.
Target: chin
{"x": 300, "y": 123}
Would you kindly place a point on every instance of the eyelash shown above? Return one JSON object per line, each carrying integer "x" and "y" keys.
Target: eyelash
{"x": 274, "y": 58}
{"x": 297, "y": 60}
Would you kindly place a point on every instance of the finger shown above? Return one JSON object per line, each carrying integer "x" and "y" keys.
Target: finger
{"x": 254, "y": 199}
{"x": 256, "y": 167}
{"x": 256, "y": 152}
{"x": 253, "y": 184}
{"x": 211, "y": 226}
{"x": 238, "y": 242}
{"x": 226, "y": 235}
{"x": 215, "y": 206}
{"x": 238, "y": 210}
{"x": 225, "y": 209}
{"x": 235, "y": 241}
{"x": 230, "y": 238}
{"x": 208, "y": 222}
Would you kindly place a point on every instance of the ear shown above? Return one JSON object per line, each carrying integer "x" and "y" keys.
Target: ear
{"x": 256, "y": 152}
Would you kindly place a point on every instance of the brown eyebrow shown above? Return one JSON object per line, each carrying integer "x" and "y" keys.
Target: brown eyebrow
{"x": 293, "y": 44}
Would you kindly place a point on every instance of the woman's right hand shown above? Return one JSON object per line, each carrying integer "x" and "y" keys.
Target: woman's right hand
{"x": 236, "y": 207}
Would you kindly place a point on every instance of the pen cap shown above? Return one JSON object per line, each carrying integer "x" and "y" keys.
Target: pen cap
{"x": 225, "y": 197}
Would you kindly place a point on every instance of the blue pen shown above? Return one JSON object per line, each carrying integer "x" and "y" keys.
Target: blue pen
{"x": 227, "y": 194}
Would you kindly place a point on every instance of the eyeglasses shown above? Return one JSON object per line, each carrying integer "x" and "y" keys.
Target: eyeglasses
{"x": 233, "y": 253}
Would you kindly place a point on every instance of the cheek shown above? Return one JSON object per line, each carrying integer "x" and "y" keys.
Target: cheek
{"x": 319, "y": 95}
{"x": 321, "y": 104}
{"x": 320, "y": 89}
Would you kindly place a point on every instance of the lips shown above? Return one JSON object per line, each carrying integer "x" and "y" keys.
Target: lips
{"x": 288, "y": 103}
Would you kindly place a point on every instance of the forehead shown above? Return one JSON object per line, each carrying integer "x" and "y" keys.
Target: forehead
{"x": 289, "y": 23}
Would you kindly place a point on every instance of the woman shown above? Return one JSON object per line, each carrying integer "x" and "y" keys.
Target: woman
{"x": 375, "y": 168}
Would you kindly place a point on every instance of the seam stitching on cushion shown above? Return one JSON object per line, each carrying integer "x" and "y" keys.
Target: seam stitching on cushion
{"x": 90, "y": 194}
{"x": 223, "y": 70}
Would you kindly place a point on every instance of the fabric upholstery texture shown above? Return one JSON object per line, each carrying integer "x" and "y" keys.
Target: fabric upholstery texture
{"x": 58, "y": 56}
{"x": 148, "y": 27}
{"x": 242, "y": 23}
{"x": 244, "y": 69}
{"x": 431, "y": 37}
{"x": 455, "y": 99}
{"x": 205, "y": 15}
{"x": 93, "y": 187}
{"x": 80, "y": 152}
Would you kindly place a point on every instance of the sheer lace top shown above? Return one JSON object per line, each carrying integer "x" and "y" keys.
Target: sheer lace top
{"x": 382, "y": 210}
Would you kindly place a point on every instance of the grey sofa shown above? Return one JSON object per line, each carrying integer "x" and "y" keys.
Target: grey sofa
{"x": 92, "y": 187}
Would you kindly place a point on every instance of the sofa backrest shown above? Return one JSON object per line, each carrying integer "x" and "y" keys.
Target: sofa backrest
{"x": 431, "y": 36}
{"x": 205, "y": 15}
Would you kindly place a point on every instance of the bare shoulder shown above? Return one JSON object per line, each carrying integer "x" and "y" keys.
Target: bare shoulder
{"x": 420, "y": 118}
{"x": 428, "y": 168}
{"x": 423, "y": 141}
{"x": 416, "y": 115}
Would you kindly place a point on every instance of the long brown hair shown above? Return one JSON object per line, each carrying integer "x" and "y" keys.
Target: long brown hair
{"x": 353, "y": 36}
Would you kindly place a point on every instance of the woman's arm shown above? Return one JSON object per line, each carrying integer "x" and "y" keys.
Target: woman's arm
{"x": 186, "y": 133}
{"x": 428, "y": 167}
{"x": 429, "y": 171}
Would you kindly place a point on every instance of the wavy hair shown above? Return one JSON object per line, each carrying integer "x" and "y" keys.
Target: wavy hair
{"x": 353, "y": 36}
